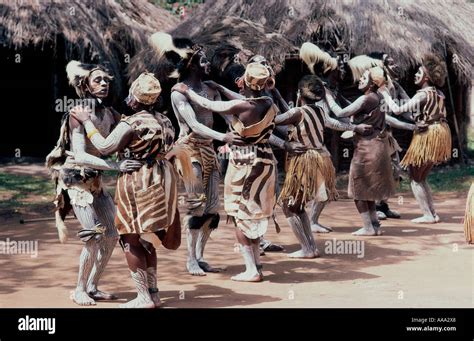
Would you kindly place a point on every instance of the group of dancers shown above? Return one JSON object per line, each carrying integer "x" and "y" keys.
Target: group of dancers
{"x": 151, "y": 161}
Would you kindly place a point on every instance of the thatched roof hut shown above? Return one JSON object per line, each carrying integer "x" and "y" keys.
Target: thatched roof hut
{"x": 250, "y": 37}
{"x": 38, "y": 38}
{"x": 406, "y": 29}
{"x": 94, "y": 31}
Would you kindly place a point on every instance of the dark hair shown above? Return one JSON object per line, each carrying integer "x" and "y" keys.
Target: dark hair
{"x": 436, "y": 69}
{"x": 311, "y": 87}
{"x": 376, "y": 55}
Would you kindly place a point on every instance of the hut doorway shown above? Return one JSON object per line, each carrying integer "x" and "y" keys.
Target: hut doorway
{"x": 27, "y": 84}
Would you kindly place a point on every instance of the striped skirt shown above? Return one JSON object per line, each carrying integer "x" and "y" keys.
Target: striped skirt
{"x": 146, "y": 199}
{"x": 249, "y": 191}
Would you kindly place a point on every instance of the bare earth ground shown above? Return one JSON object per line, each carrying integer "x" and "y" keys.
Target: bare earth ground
{"x": 409, "y": 266}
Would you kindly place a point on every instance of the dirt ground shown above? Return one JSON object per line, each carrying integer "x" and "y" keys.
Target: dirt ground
{"x": 409, "y": 266}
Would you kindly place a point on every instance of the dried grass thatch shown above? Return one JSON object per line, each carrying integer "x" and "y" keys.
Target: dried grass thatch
{"x": 93, "y": 31}
{"x": 406, "y": 29}
{"x": 250, "y": 37}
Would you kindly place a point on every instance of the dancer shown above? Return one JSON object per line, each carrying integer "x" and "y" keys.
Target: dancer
{"x": 370, "y": 175}
{"x": 398, "y": 93}
{"x": 146, "y": 198}
{"x": 310, "y": 175}
{"x": 197, "y": 135}
{"x": 272, "y": 92}
{"x": 76, "y": 168}
{"x": 249, "y": 190}
{"x": 431, "y": 143}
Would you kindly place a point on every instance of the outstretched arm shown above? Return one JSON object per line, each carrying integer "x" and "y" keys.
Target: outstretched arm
{"x": 412, "y": 105}
{"x": 334, "y": 124}
{"x": 184, "y": 109}
{"x": 224, "y": 91}
{"x": 81, "y": 157}
{"x": 233, "y": 107}
{"x": 227, "y": 118}
{"x": 292, "y": 116}
{"x": 394, "y": 123}
{"x": 350, "y": 110}
{"x": 116, "y": 140}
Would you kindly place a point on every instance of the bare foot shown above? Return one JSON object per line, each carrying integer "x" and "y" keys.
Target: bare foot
{"x": 81, "y": 297}
{"x": 98, "y": 295}
{"x": 193, "y": 268}
{"x": 317, "y": 228}
{"x": 381, "y": 215}
{"x": 426, "y": 219}
{"x": 155, "y": 297}
{"x": 247, "y": 277}
{"x": 304, "y": 254}
{"x": 139, "y": 303}
{"x": 207, "y": 268}
{"x": 393, "y": 214}
{"x": 365, "y": 232}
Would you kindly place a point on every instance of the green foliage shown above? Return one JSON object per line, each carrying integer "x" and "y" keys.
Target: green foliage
{"x": 14, "y": 188}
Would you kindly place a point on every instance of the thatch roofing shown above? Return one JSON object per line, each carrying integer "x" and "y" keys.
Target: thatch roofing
{"x": 245, "y": 35}
{"x": 94, "y": 31}
{"x": 406, "y": 29}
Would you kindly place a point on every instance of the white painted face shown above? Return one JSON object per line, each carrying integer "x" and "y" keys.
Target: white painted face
{"x": 99, "y": 84}
{"x": 420, "y": 76}
{"x": 364, "y": 81}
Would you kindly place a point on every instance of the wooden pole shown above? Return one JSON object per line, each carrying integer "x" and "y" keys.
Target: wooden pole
{"x": 456, "y": 126}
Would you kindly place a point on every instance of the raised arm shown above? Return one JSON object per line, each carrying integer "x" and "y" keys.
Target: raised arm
{"x": 281, "y": 103}
{"x": 402, "y": 94}
{"x": 350, "y": 110}
{"x": 412, "y": 105}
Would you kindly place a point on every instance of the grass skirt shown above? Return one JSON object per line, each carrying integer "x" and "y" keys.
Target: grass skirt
{"x": 433, "y": 145}
{"x": 304, "y": 179}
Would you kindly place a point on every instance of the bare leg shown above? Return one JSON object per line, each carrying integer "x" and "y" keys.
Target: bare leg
{"x": 373, "y": 217}
{"x": 88, "y": 219}
{"x": 151, "y": 272}
{"x": 135, "y": 254}
{"x": 383, "y": 209}
{"x": 316, "y": 209}
{"x": 368, "y": 229}
{"x": 210, "y": 223}
{"x": 192, "y": 264}
{"x": 256, "y": 255}
{"x": 299, "y": 222}
{"x": 251, "y": 274}
{"x": 422, "y": 194}
{"x": 192, "y": 221}
{"x": 104, "y": 207}
{"x": 86, "y": 262}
